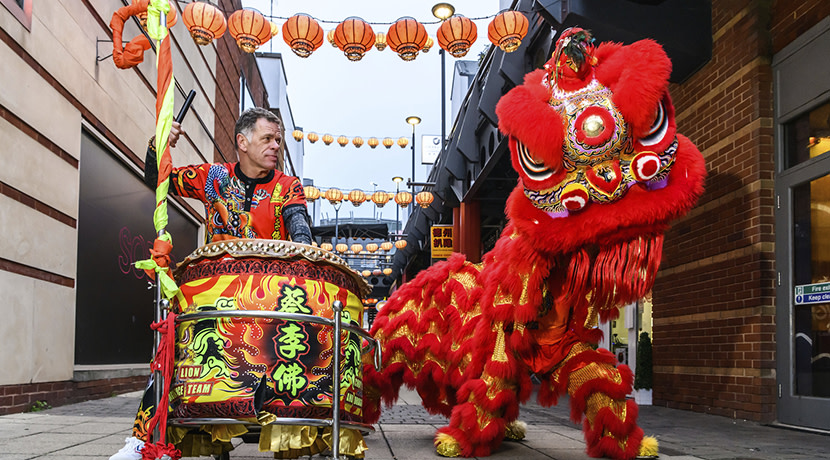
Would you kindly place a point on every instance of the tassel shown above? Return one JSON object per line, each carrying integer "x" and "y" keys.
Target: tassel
{"x": 160, "y": 451}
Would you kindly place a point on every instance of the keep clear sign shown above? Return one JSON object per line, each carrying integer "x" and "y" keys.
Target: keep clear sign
{"x": 812, "y": 293}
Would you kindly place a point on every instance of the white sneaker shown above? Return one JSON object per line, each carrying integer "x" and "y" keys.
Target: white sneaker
{"x": 130, "y": 451}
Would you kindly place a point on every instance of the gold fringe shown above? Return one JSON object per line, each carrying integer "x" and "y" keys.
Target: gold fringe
{"x": 296, "y": 441}
{"x": 446, "y": 446}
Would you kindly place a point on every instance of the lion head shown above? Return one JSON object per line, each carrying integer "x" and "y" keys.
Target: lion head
{"x": 594, "y": 140}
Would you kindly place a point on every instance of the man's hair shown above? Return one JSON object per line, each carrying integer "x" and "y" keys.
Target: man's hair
{"x": 246, "y": 122}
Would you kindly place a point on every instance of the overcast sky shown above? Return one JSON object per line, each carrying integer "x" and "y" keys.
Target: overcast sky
{"x": 371, "y": 97}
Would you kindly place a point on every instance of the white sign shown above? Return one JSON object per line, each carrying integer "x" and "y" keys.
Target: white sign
{"x": 430, "y": 148}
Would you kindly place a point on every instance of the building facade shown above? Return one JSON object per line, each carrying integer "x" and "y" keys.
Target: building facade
{"x": 738, "y": 311}
{"x": 75, "y": 212}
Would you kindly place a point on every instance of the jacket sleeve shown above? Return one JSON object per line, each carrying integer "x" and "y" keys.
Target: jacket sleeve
{"x": 296, "y": 220}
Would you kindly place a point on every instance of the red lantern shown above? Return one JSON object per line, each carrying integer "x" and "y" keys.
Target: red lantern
{"x": 377, "y": 272}
{"x": 303, "y": 34}
{"x": 403, "y": 199}
{"x": 204, "y": 21}
{"x": 342, "y": 140}
{"x": 456, "y": 35}
{"x": 385, "y": 246}
{"x": 388, "y": 142}
{"x": 297, "y": 134}
{"x": 403, "y": 142}
{"x": 507, "y": 30}
{"x": 312, "y": 137}
{"x": 387, "y": 271}
{"x": 250, "y": 29}
{"x": 357, "y": 141}
{"x": 373, "y": 142}
{"x": 311, "y": 192}
{"x": 341, "y": 248}
{"x": 406, "y": 37}
{"x": 356, "y": 248}
{"x": 328, "y": 139}
{"x": 357, "y": 197}
{"x": 326, "y": 246}
{"x": 334, "y": 195}
{"x": 424, "y": 199}
{"x": 366, "y": 273}
{"x": 372, "y": 247}
{"x": 400, "y": 244}
{"x": 380, "y": 198}
{"x": 354, "y": 37}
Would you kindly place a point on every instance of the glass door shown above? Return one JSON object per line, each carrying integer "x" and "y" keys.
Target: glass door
{"x": 803, "y": 258}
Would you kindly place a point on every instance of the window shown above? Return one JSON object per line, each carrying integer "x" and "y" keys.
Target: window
{"x": 20, "y": 9}
{"x": 808, "y": 136}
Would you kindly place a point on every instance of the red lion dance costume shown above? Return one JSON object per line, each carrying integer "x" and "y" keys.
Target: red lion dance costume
{"x": 602, "y": 173}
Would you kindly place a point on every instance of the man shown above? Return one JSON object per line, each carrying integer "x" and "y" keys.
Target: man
{"x": 248, "y": 199}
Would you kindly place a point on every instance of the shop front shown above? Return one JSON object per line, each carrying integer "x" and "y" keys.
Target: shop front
{"x": 803, "y": 228}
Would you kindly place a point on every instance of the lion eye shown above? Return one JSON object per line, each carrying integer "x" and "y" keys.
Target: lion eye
{"x": 534, "y": 170}
{"x": 658, "y": 128}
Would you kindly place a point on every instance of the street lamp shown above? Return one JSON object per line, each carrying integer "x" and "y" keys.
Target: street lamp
{"x": 337, "y": 222}
{"x": 397, "y": 180}
{"x": 443, "y": 11}
{"x": 413, "y": 120}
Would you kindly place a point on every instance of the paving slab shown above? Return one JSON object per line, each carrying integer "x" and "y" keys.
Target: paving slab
{"x": 96, "y": 430}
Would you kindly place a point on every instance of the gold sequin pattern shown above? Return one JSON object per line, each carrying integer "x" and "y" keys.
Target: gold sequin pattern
{"x": 499, "y": 355}
{"x": 590, "y": 372}
{"x": 576, "y": 349}
{"x": 525, "y": 285}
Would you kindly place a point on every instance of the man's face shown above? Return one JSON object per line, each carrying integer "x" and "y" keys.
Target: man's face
{"x": 261, "y": 152}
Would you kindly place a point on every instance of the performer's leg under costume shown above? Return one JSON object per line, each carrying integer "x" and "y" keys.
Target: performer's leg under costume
{"x": 598, "y": 390}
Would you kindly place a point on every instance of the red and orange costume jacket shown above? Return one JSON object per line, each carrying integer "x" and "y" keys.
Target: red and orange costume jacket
{"x": 238, "y": 206}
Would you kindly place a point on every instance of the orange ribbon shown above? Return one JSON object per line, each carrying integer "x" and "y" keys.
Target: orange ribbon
{"x": 132, "y": 54}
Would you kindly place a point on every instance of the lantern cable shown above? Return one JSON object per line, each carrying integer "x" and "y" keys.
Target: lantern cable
{"x": 328, "y": 21}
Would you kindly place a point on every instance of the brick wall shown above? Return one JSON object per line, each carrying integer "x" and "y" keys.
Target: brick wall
{"x": 230, "y": 62}
{"x": 714, "y": 299}
{"x": 20, "y": 398}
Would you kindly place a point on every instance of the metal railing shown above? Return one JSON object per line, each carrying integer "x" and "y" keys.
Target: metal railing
{"x": 337, "y": 326}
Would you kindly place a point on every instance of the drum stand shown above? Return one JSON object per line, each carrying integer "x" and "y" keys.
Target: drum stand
{"x": 337, "y": 327}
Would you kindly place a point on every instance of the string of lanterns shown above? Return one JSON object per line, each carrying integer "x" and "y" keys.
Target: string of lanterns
{"x": 354, "y": 36}
{"x": 357, "y": 197}
{"x": 369, "y": 249}
{"x": 357, "y": 141}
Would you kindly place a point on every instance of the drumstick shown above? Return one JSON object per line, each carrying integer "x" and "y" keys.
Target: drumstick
{"x": 185, "y": 106}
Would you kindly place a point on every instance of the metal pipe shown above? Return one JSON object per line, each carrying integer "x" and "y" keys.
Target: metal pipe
{"x": 364, "y": 427}
{"x": 337, "y": 307}
{"x": 159, "y": 315}
{"x": 412, "y": 187}
{"x": 443, "y": 100}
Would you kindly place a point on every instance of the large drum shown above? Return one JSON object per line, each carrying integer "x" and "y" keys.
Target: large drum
{"x": 242, "y": 368}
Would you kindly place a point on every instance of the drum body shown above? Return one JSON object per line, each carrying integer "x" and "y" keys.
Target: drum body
{"x": 238, "y": 367}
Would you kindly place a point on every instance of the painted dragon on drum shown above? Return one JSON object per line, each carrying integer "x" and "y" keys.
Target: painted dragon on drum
{"x": 603, "y": 172}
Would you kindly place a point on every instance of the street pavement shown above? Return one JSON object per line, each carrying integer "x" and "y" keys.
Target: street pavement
{"x": 96, "y": 430}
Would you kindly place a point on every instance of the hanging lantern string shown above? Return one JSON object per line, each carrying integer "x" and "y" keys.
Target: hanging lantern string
{"x": 326, "y": 21}
{"x": 329, "y": 21}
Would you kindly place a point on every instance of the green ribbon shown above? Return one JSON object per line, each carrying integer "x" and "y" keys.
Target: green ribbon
{"x": 155, "y": 11}
{"x": 169, "y": 289}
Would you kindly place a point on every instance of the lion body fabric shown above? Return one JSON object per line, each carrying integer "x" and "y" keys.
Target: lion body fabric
{"x": 602, "y": 173}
